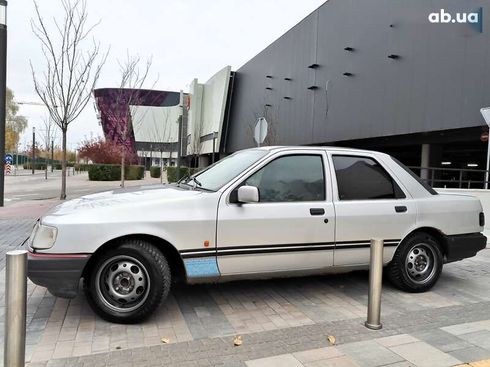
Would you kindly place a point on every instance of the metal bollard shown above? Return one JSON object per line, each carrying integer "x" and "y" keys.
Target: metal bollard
{"x": 375, "y": 285}
{"x": 15, "y": 313}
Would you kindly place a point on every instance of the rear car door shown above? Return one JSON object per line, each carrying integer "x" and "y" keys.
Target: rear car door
{"x": 369, "y": 203}
{"x": 292, "y": 225}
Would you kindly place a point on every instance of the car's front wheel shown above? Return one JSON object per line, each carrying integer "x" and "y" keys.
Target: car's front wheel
{"x": 127, "y": 283}
{"x": 417, "y": 263}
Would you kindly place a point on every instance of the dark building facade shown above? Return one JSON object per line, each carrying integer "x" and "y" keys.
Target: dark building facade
{"x": 375, "y": 74}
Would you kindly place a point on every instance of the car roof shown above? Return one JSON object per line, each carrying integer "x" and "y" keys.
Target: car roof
{"x": 326, "y": 148}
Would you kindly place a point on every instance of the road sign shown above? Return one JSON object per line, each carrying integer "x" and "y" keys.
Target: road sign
{"x": 9, "y": 159}
{"x": 260, "y": 131}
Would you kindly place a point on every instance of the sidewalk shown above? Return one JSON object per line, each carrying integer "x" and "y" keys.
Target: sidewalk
{"x": 432, "y": 341}
{"x": 282, "y": 322}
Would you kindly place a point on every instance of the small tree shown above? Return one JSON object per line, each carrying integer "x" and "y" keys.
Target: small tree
{"x": 15, "y": 124}
{"x": 195, "y": 140}
{"x": 100, "y": 151}
{"x": 271, "y": 116}
{"x": 126, "y": 99}
{"x": 48, "y": 134}
{"x": 161, "y": 134}
{"x": 72, "y": 67}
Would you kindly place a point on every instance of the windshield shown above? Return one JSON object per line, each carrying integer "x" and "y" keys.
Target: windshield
{"x": 221, "y": 172}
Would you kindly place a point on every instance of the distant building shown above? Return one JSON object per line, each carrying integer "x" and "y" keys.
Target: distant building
{"x": 142, "y": 139}
{"x": 154, "y": 120}
{"x": 396, "y": 76}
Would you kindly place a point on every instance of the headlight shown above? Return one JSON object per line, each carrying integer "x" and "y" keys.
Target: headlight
{"x": 43, "y": 237}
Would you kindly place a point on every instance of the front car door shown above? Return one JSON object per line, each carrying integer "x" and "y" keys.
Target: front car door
{"x": 290, "y": 228}
{"x": 370, "y": 202}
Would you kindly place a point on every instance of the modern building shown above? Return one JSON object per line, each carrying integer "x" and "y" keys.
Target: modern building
{"x": 404, "y": 77}
{"x": 147, "y": 122}
{"x": 137, "y": 119}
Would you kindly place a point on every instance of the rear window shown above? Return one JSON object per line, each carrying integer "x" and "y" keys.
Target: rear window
{"x": 417, "y": 178}
{"x": 362, "y": 178}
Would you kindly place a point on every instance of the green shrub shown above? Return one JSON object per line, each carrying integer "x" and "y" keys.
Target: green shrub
{"x": 134, "y": 172}
{"x": 57, "y": 165}
{"x": 155, "y": 171}
{"x": 82, "y": 167}
{"x": 104, "y": 172}
{"x": 37, "y": 166}
{"x": 172, "y": 173}
{"x": 112, "y": 172}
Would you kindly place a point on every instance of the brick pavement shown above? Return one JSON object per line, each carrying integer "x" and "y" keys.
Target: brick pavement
{"x": 275, "y": 317}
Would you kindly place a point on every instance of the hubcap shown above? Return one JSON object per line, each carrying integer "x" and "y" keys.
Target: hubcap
{"x": 421, "y": 263}
{"x": 122, "y": 283}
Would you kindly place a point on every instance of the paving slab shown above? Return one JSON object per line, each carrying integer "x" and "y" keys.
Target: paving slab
{"x": 424, "y": 355}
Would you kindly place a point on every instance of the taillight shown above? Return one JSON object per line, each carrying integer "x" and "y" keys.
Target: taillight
{"x": 482, "y": 219}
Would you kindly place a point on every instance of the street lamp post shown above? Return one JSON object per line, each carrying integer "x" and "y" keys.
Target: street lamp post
{"x": 3, "y": 91}
{"x": 485, "y": 112}
{"x": 33, "y": 148}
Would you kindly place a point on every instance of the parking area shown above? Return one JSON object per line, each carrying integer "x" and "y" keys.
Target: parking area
{"x": 276, "y": 318}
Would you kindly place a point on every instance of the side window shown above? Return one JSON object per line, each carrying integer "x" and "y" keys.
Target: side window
{"x": 290, "y": 178}
{"x": 362, "y": 178}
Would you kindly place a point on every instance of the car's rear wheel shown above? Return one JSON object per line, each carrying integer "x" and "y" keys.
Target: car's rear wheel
{"x": 417, "y": 263}
{"x": 127, "y": 283}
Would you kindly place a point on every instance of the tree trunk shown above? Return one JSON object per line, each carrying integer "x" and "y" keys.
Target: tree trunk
{"x": 161, "y": 166}
{"x": 63, "y": 166}
{"x": 123, "y": 158}
{"x": 46, "y": 165}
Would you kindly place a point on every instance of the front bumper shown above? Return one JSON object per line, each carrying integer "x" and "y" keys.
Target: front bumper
{"x": 462, "y": 246}
{"x": 60, "y": 273}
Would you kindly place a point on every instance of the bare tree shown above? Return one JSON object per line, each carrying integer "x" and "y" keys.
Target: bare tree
{"x": 195, "y": 139}
{"x": 271, "y": 116}
{"x": 48, "y": 134}
{"x": 161, "y": 134}
{"x": 72, "y": 67}
{"x": 126, "y": 99}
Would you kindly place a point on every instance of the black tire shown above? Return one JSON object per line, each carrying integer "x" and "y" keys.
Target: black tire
{"x": 417, "y": 263}
{"x": 128, "y": 282}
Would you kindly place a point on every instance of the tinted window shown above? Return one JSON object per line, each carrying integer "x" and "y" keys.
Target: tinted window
{"x": 360, "y": 178}
{"x": 290, "y": 178}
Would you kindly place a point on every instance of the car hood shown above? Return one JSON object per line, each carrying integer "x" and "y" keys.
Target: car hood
{"x": 123, "y": 197}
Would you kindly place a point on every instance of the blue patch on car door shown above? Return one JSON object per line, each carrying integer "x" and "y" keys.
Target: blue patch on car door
{"x": 201, "y": 267}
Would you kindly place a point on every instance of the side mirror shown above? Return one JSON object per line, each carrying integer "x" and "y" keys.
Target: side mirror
{"x": 248, "y": 194}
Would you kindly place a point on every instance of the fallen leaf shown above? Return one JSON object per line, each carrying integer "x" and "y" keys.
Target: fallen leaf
{"x": 237, "y": 341}
{"x": 165, "y": 340}
{"x": 331, "y": 339}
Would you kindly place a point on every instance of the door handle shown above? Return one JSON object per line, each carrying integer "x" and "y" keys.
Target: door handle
{"x": 317, "y": 211}
{"x": 401, "y": 209}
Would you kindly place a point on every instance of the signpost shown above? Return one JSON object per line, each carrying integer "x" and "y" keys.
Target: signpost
{"x": 260, "y": 131}
{"x": 9, "y": 160}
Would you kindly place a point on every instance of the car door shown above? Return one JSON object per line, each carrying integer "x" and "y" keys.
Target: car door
{"x": 369, "y": 203}
{"x": 292, "y": 225}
